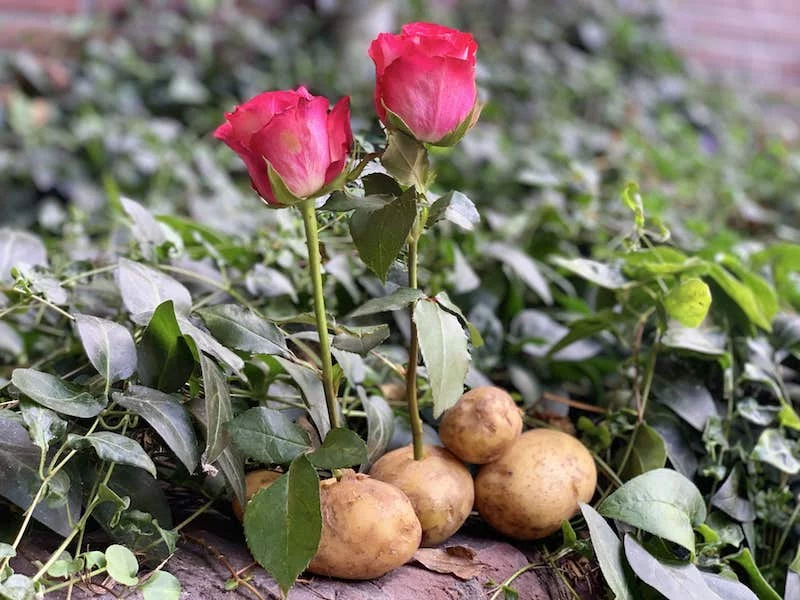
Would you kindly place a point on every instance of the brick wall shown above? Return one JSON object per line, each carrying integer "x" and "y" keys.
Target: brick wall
{"x": 752, "y": 43}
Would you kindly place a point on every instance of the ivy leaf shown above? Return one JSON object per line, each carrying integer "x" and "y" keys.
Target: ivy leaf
{"x": 108, "y": 345}
{"x": 166, "y": 359}
{"x": 268, "y": 436}
{"x": 161, "y": 586}
{"x": 379, "y": 234}
{"x": 649, "y": 452}
{"x": 444, "y": 350}
{"x": 18, "y": 587}
{"x": 283, "y": 523}
{"x": 774, "y": 449}
{"x": 674, "y": 581}
{"x": 341, "y": 448}
{"x": 122, "y": 565}
{"x": 60, "y": 396}
{"x": 240, "y": 328}
{"x": 608, "y": 550}
{"x": 115, "y": 448}
{"x": 168, "y": 417}
{"x": 662, "y": 502}
{"x": 688, "y": 302}
{"x": 43, "y": 424}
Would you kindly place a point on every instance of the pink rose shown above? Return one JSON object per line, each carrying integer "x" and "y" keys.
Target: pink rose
{"x": 294, "y": 134}
{"x": 425, "y": 78}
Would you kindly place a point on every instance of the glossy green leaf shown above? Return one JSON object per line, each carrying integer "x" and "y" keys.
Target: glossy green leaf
{"x": 283, "y": 523}
{"x": 360, "y": 340}
{"x": 775, "y": 449}
{"x": 310, "y": 385}
{"x": 523, "y": 266}
{"x": 406, "y": 160}
{"x": 758, "y": 584}
{"x": 380, "y": 426}
{"x": 649, "y": 452}
{"x": 444, "y": 351}
{"x": 43, "y": 424}
{"x": 165, "y": 356}
{"x": 211, "y": 346}
{"x": 116, "y": 448}
{"x": 379, "y": 234}
{"x": 455, "y": 207}
{"x": 218, "y": 409}
{"x": 267, "y": 436}
{"x": 688, "y": 302}
{"x": 143, "y": 289}
{"x": 608, "y": 551}
{"x": 19, "y": 248}
{"x": 60, "y": 396}
{"x": 341, "y": 448}
{"x": 662, "y": 502}
{"x": 607, "y": 276}
{"x": 742, "y": 295}
{"x": 17, "y": 587}
{"x": 240, "y": 328}
{"x": 108, "y": 345}
{"x": 168, "y": 417}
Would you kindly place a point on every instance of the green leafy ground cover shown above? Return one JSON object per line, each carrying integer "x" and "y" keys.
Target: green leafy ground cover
{"x": 162, "y": 301}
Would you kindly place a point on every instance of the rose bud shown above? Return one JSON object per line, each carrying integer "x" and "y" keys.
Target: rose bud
{"x": 294, "y": 147}
{"x": 425, "y": 82}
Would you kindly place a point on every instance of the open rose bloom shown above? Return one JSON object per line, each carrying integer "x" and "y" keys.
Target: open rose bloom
{"x": 425, "y": 82}
{"x": 294, "y": 147}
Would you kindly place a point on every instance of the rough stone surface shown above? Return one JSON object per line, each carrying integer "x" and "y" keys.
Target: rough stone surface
{"x": 207, "y": 549}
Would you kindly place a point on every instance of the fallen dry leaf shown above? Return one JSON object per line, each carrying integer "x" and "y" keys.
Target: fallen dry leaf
{"x": 456, "y": 560}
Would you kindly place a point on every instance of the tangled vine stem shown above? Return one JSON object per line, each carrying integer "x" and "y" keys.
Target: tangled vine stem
{"x": 308, "y": 210}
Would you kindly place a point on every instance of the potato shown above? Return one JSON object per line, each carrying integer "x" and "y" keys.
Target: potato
{"x": 481, "y": 426}
{"x": 368, "y": 528}
{"x": 254, "y": 481}
{"x": 439, "y": 486}
{"x": 536, "y": 484}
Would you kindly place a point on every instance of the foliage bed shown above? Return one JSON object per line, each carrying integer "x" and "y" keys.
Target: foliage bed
{"x": 128, "y": 323}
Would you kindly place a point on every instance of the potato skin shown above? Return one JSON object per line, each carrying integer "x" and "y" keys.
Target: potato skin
{"x": 368, "y": 528}
{"x": 439, "y": 487}
{"x": 536, "y": 484}
{"x": 481, "y": 426}
{"x": 254, "y": 481}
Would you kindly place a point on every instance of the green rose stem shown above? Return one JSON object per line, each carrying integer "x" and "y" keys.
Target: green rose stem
{"x": 413, "y": 343}
{"x": 308, "y": 210}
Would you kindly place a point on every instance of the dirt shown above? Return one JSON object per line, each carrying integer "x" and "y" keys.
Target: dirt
{"x": 208, "y": 551}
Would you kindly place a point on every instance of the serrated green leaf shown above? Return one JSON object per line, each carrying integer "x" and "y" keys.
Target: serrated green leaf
{"x": 360, "y": 340}
{"x": 283, "y": 523}
{"x": 341, "y": 448}
{"x": 399, "y": 298}
{"x": 379, "y": 234}
{"x": 268, "y": 436}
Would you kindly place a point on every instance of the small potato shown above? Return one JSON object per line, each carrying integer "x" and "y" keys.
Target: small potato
{"x": 439, "y": 486}
{"x": 481, "y": 426}
{"x": 368, "y": 528}
{"x": 254, "y": 481}
{"x": 536, "y": 484}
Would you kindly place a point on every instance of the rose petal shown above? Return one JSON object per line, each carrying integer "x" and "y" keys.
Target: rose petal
{"x": 295, "y": 143}
{"x": 432, "y": 95}
{"x": 258, "y": 111}
{"x": 256, "y": 167}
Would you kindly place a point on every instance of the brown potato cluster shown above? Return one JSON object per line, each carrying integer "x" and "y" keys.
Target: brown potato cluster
{"x": 536, "y": 484}
{"x": 439, "y": 487}
{"x": 368, "y": 528}
{"x": 481, "y": 426}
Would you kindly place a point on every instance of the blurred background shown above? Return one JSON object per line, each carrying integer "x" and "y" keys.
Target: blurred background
{"x": 696, "y": 101}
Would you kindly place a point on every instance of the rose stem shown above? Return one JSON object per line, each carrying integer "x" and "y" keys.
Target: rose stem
{"x": 413, "y": 343}
{"x": 308, "y": 209}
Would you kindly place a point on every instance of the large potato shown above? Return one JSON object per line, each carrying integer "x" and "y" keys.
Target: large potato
{"x": 368, "y": 528}
{"x": 439, "y": 486}
{"x": 254, "y": 481}
{"x": 536, "y": 484}
{"x": 481, "y": 426}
